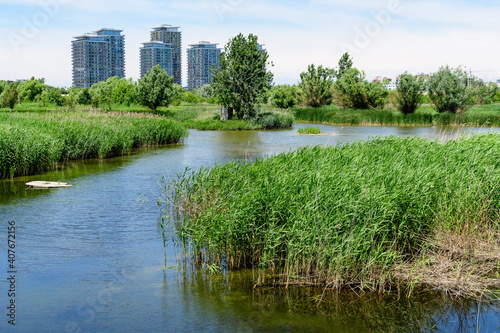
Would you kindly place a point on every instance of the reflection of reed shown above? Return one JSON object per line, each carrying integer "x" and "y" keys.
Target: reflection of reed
{"x": 299, "y": 308}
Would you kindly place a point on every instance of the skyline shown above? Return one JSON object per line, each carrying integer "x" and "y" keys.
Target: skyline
{"x": 384, "y": 38}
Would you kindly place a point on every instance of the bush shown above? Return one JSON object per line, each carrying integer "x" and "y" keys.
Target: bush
{"x": 409, "y": 94}
{"x": 448, "y": 90}
{"x": 284, "y": 96}
{"x": 275, "y": 120}
{"x": 317, "y": 85}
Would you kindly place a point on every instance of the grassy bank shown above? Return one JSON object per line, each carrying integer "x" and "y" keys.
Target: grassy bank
{"x": 486, "y": 115}
{"x": 31, "y": 143}
{"x": 368, "y": 214}
{"x": 205, "y": 118}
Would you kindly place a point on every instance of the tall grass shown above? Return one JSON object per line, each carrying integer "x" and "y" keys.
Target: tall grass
{"x": 344, "y": 215}
{"x": 487, "y": 115}
{"x": 33, "y": 142}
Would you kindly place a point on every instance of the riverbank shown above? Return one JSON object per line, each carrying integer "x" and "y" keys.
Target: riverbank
{"x": 485, "y": 115}
{"x": 203, "y": 117}
{"x": 363, "y": 215}
{"x": 32, "y": 142}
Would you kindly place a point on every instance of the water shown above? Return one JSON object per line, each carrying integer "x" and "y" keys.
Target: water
{"x": 90, "y": 258}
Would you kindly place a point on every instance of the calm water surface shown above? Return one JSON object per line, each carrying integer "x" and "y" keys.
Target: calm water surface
{"x": 90, "y": 259}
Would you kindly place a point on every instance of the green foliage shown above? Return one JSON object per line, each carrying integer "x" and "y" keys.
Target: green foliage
{"x": 317, "y": 85}
{"x": 284, "y": 96}
{"x": 274, "y": 120}
{"x": 346, "y": 214}
{"x": 376, "y": 94}
{"x": 486, "y": 93}
{"x": 205, "y": 91}
{"x": 353, "y": 91}
{"x": 10, "y": 95}
{"x": 242, "y": 78}
{"x": 189, "y": 97}
{"x": 156, "y": 88}
{"x": 448, "y": 90}
{"x": 350, "y": 90}
{"x": 31, "y": 90}
{"x": 345, "y": 63}
{"x": 309, "y": 130}
{"x": 32, "y": 142}
{"x": 409, "y": 93}
{"x": 51, "y": 96}
{"x": 84, "y": 97}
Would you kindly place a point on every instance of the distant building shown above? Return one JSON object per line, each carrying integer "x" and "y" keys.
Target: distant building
{"x": 157, "y": 53}
{"x": 172, "y": 36}
{"x": 98, "y": 56}
{"x": 203, "y": 58}
{"x": 390, "y": 85}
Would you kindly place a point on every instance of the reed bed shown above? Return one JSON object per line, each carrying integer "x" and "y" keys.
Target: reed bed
{"x": 309, "y": 130}
{"x": 478, "y": 116}
{"x": 366, "y": 214}
{"x": 34, "y": 142}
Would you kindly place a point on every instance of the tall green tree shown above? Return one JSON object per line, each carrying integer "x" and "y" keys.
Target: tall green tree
{"x": 345, "y": 63}
{"x": 409, "y": 93}
{"x": 156, "y": 88}
{"x": 317, "y": 85}
{"x": 31, "y": 90}
{"x": 242, "y": 77}
{"x": 10, "y": 95}
{"x": 449, "y": 90}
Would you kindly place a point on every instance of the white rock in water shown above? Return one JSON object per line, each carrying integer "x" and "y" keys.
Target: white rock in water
{"x": 44, "y": 184}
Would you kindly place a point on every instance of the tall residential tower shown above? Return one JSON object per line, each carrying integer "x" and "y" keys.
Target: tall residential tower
{"x": 157, "y": 53}
{"x": 171, "y": 35}
{"x": 98, "y": 56}
{"x": 203, "y": 58}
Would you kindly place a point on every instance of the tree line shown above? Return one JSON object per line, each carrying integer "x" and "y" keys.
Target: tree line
{"x": 153, "y": 90}
{"x": 449, "y": 90}
{"x": 242, "y": 82}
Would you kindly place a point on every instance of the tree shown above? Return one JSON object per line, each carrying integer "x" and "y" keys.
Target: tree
{"x": 409, "y": 93}
{"x": 31, "y": 90}
{"x": 284, "y": 96}
{"x": 345, "y": 63}
{"x": 51, "y": 96}
{"x": 10, "y": 95}
{"x": 317, "y": 85}
{"x": 156, "y": 88}
{"x": 242, "y": 77}
{"x": 448, "y": 90}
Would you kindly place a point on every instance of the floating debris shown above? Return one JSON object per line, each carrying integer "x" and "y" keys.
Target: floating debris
{"x": 44, "y": 184}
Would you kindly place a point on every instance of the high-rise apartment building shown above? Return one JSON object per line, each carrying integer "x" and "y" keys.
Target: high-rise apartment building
{"x": 203, "y": 58}
{"x": 157, "y": 53}
{"x": 98, "y": 56}
{"x": 171, "y": 35}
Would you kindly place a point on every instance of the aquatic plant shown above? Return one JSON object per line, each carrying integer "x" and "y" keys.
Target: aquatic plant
{"x": 366, "y": 214}
{"x": 309, "y": 130}
{"x": 33, "y": 142}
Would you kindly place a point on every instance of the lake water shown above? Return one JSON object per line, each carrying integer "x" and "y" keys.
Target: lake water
{"x": 90, "y": 258}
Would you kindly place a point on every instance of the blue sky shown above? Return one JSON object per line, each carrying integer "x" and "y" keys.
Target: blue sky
{"x": 385, "y": 37}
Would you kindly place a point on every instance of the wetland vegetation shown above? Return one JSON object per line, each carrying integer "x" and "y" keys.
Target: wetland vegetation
{"x": 363, "y": 215}
{"x": 34, "y": 142}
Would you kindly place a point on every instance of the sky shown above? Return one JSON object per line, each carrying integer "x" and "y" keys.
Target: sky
{"x": 384, "y": 37}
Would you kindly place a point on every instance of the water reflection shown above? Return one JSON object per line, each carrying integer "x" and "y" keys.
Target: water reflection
{"x": 234, "y": 301}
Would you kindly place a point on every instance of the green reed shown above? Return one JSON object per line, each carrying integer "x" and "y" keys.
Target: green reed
{"x": 486, "y": 115}
{"x": 309, "y": 130}
{"x": 33, "y": 142}
{"x": 339, "y": 215}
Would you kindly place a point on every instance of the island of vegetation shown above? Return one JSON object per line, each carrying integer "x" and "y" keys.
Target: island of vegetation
{"x": 386, "y": 214}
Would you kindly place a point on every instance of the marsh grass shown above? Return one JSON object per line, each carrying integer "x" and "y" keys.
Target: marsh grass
{"x": 34, "y": 142}
{"x": 367, "y": 215}
{"x": 486, "y": 115}
{"x": 309, "y": 130}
